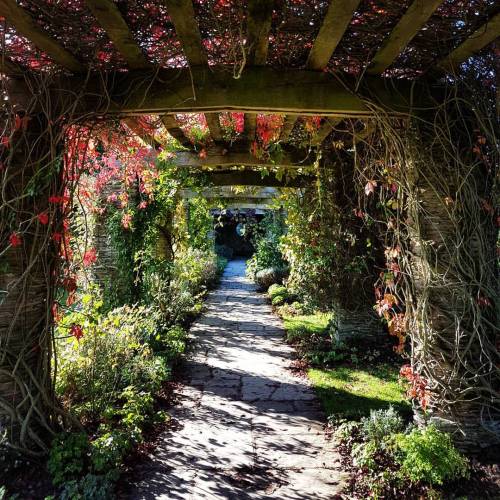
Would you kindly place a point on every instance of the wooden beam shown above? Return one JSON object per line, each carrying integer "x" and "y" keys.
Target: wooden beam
{"x": 332, "y": 30}
{"x": 133, "y": 124}
{"x": 288, "y": 124}
{"x": 252, "y": 178}
{"x": 213, "y": 123}
{"x": 408, "y": 26}
{"x": 27, "y": 26}
{"x": 482, "y": 37}
{"x": 259, "y": 20}
{"x": 181, "y": 13}
{"x": 175, "y": 131}
{"x": 324, "y": 131}
{"x": 250, "y": 126}
{"x": 218, "y": 156}
{"x": 107, "y": 14}
{"x": 262, "y": 193}
{"x": 7, "y": 67}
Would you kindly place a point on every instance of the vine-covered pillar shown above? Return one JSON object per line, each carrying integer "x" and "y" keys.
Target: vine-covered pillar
{"x": 451, "y": 311}
{"x": 357, "y": 255}
{"x": 29, "y": 173}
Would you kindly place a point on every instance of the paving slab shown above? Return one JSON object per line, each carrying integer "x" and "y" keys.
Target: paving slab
{"x": 245, "y": 427}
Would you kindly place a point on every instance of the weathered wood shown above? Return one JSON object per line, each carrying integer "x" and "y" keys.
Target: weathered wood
{"x": 264, "y": 193}
{"x": 107, "y": 14}
{"x": 324, "y": 130}
{"x": 26, "y": 25}
{"x": 332, "y": 30}
{"x": 175, "y": 131}
{"x": 8, "y": 67}
{"x": 213, "y": 123}
{"x": 288, "y": 124}
{"x": 253, "y": 178}
{"x": 408, "y": 26}
{"x": 139, "y": 130}
{"x": 260, "y": 89}
{"x": 181, "y": 13}
{"x": 250, "y": 126}
{"x": 218, "y": 156}
{"x": 258, "y": 26}
{"x": 486, "y": 34}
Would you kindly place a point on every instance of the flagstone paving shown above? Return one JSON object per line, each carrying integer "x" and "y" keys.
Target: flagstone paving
{"x": 246, "y": 426}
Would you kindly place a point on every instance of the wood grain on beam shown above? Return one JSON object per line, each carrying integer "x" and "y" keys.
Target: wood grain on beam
{"x": 258, "y": 26}
{"x": 332, "y": 30}
{"x": 134, "y": 125}
{"x": 288, "y": 124}
{"x": 26, "y": 25}
{"x": 482, "y": 37}
{"x": 181, "y": 13}
{"x": 217, "y": 156}
{"x": 175, "y": 131}
{"x": 250, "y": 126}
{"x": 213, "y": 123}
{"x": 107, "y": 14}
{"x": 408, "y": 26}
{"x": 252, "y": 178}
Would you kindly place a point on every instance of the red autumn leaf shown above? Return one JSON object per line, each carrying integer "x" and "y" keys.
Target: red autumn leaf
{"x": 370, "y": 187}
{"x": 57, "y": 237}
{"x": 76, "y": 331}
{"x": 15, "y": 239}
{"x": 203, "y": 154}
{"x": 43, "y": 218}
{"x": 89, "y": 257}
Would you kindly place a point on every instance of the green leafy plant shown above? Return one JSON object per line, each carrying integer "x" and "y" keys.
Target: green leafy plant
{"x": 277, "y": 290}
{"x": 429, "y": 455}
{"x": 381, "y": 424}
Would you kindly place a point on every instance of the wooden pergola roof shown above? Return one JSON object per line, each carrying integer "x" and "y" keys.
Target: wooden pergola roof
{"x": 292, "y": 57}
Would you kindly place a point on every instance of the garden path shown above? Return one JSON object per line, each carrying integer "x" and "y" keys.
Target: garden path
{"x": 246, "y": 426}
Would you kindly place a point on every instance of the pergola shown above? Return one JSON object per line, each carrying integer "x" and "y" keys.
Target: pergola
{"x": 343, "y": 62}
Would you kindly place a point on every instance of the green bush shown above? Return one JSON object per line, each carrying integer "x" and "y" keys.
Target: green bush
{"x": 277, "y": 291}
{"x": 89, "y": 487}
{"x": 107, "y": 452}
{"x": 381, "y": 424}
{"x": 429, "y": 455}
{"x": 69, "y": 457}
{"x": 278, "y": 300}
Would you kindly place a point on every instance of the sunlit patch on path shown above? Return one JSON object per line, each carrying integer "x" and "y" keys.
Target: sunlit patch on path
{"x": 246, "y": 426}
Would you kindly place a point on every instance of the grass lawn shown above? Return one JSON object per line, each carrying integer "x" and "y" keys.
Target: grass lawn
{"x": 348, "y": 390}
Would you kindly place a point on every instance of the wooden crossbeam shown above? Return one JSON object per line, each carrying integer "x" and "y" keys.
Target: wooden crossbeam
{"x": 408, "y": 26}
{"x": 175, "y": 131}
{"x": 8, "y": 67}
{"x": 288, "y": 124}
{"x": 27, "y": 26}
{"x": 138, "y": 130}
{"x": 324, "y": 131}
{"x": 213, "y": 123}
{"x": 181, "y": 13}
{"x": 482, "y": 37}
{"x": 109, "y": 17}
{"x": 252, "y": 178}
{"x": 332, "y": 30}
{"x": 258, "y": 26}
{"x": 218, "y": 156}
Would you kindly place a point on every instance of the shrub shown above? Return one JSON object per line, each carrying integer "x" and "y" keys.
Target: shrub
{"x": 107, "y": 452}
{"x": 381, "y": 424}
{"x": 429, "y": 455}
{"x": 277, "y": 291}
{"x": 69, "y": 457}
{"x": 269, "y": 276}
{"x": 278, "y": 300}
{"x": 89, "y": 487}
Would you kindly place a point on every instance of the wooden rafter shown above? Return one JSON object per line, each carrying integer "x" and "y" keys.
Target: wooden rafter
{"x": 482, "y": 37}
{"x": 27, "y": 26}
{"x": 174, "y": 130}
{"x": 250, "y": 126}
{"x": 218, "y": 156}
{"x": 252, "y": 178}
{"x": 332, "y": 30}
{"x": 107, "y": 14}
{"x": 324, "y": 130}
{"x": 134, "y": 125}
{"x": 258, "y": 26}
{"x": 408, "y": 26}
{"x": 288, "y": 124}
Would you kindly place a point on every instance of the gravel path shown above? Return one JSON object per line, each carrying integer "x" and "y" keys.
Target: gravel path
{"x": 246, "y": 427}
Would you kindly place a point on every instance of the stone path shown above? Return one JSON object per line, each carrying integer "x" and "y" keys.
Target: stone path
{"x": 246, "y": 427}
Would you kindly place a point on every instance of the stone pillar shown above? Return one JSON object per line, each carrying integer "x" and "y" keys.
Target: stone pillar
{"x": 28, "y": 176}
{"x": 451, "y": 309}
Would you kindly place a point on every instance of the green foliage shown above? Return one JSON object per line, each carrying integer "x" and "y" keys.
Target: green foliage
{"x": 381, "y": 424}
{"x": 170, "y": 342}
{"x": 429, "y": 455}
{"x": 107, "y": 452}
{"x": 277, "y": 291}
{"x": 69, "y": 457}
{"x": 278, "y": 300}
{"x": 200, "y": 224}
{"x": 89, "y": 487}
